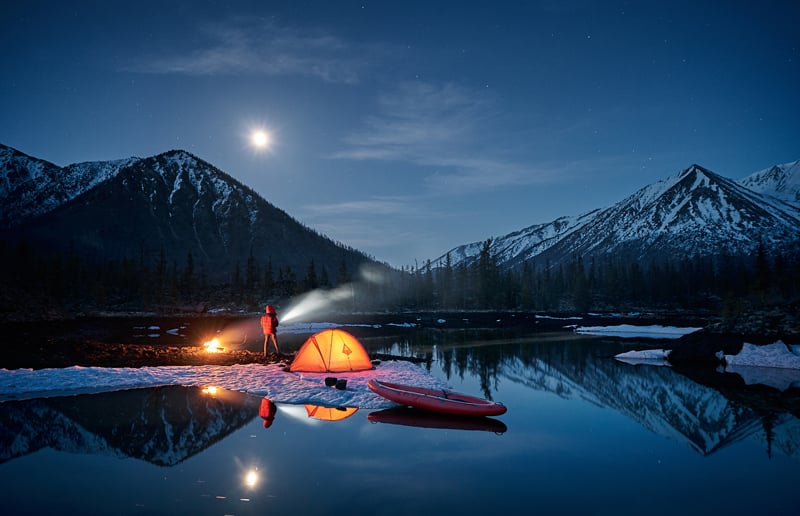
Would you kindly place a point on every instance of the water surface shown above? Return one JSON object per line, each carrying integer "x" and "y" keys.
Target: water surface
{"x": 584, "y": 434}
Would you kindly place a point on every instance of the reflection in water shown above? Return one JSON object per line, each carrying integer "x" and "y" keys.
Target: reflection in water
{"x": 408, "y": 416}
{"x": 267, "y": 411}
{"x": 702, "y": 409}
{"x": 251, "y": 478}
{"x": 704, "y": 412}
{"x": 558, "y": 457}
{"x": 329, "y": 413}
{"x": 163, "y": 425}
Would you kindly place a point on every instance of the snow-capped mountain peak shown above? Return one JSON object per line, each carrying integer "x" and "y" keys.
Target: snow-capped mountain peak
{"x": 779, "y": 181}
{"x": 30, "y": 187}
{"x": 172, "y": 204}
{"x": 695, "y": 212}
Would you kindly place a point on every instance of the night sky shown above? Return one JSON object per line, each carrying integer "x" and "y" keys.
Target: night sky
{"x": 406, "y": 128}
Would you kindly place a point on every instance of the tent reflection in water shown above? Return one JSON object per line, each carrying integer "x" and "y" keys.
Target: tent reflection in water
{"x": 329, "y": 413}
{"x": 331, "y": 351}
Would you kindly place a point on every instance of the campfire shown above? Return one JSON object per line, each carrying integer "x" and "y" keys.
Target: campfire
{"x": 212, "y": 346}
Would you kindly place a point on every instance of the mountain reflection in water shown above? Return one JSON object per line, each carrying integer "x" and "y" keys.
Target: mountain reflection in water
{"x": 161, "y": 425}
{"x": 704, "y": 410}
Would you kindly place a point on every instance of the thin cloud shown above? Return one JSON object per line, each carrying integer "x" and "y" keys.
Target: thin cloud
{"x": 242, "y": 47}
{"x": 445, "y": 127}
{"x": 415, "y": 120}
{"x": 371, "y": 207}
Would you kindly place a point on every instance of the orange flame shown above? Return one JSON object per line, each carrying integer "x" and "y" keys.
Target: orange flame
{"x": 212, "y": 346}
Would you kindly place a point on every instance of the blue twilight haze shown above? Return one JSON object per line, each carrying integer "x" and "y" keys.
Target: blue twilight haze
{"x": 406, "y": 128}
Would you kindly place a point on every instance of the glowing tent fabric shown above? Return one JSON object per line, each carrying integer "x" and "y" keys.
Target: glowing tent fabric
{"x": 330, "y": 413}
{"x": 331, "y": 351}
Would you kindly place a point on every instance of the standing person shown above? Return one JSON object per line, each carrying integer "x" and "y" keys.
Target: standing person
{"x": 269, "y": 327}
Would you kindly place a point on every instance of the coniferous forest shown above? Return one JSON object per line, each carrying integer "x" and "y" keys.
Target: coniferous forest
{"x": 34, "y": 281}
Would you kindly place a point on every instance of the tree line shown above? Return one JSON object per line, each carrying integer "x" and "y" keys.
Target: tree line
{"x": 73, "y": 282}
{"x": 725, "y": 284}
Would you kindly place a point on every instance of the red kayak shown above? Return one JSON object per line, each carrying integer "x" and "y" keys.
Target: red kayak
{"x": 437, "y": 400}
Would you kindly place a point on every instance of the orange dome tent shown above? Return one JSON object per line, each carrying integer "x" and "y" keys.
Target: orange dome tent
{"x": 331, "y": 351}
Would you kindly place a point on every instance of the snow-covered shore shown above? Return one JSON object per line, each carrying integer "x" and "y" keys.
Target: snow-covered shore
{"x": 271, "y": 381}
{"x": 630, "y": 330}
{"x": 776, "y": 364}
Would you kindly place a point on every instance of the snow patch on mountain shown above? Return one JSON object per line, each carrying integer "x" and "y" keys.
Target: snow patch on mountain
{"x": 30, "y": 187}
{"x": 779, "y": 181}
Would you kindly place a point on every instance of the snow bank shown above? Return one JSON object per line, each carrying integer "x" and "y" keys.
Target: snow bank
{"x": 647, "y": 357}
{"x": 271, "y": 381}
{"x": 630, "y": 330}
{"x": 776, "y": 365}
{"x": 776, "y": 354}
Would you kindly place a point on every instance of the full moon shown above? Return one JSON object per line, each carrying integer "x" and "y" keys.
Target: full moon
{"x": 260, "y": 139}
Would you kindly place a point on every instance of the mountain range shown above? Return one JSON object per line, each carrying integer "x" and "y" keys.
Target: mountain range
{"x": 695, "y": 213}
{"x": 175, "y": 204}
{"x": 168, "y": 205}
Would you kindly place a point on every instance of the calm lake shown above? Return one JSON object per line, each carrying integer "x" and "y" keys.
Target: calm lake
{"x": 584, "y": 434}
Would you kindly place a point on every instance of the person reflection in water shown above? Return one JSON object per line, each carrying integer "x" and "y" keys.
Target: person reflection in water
{"x": 267, "y": 412}
{"x": 269, "y": 327}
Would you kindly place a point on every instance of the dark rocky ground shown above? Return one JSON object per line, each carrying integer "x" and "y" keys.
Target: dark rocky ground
{"x": 136, "y": 340}
{"x": 728, "y": 336}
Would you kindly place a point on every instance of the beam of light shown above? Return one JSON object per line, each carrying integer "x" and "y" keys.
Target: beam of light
{"x": 317, "y": 301}
{"x": 321, "y": 300}
{"x": 298, "y": 413}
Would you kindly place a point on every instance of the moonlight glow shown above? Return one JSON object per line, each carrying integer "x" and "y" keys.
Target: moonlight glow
{"x": 260, "y": 139}
{"x": 251, "y": 478}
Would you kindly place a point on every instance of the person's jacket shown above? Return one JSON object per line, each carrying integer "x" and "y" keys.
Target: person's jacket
{"x": 269, "y": 324}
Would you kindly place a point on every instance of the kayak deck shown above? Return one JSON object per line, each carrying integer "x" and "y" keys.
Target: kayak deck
{"x": 437, "y": 400}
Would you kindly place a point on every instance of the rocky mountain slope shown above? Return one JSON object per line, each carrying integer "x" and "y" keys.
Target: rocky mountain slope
{"x": 171, "y": 205}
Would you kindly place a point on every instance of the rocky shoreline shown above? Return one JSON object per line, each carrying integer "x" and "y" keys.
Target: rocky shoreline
{"x": 729, "y": 336}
